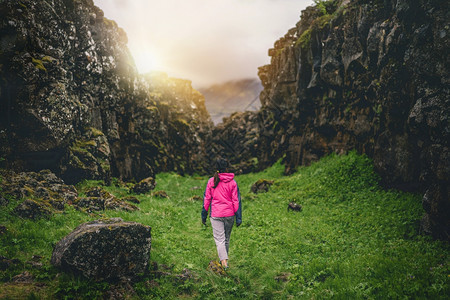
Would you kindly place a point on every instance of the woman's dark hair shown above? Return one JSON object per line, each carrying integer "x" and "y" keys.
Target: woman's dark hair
{"x": 222, "y": 166}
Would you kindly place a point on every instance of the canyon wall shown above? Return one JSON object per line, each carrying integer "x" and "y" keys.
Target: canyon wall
{"x": 369, "y": 75}
{"x": 71, "y": 99}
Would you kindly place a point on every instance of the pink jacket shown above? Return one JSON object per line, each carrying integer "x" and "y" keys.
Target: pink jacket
{"x": 223, "y": 199}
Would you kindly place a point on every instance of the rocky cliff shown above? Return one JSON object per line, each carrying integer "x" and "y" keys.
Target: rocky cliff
{"x": 72, "y": 101}
{"x": 236, "y": 138}
{"x": 370, "y": 75}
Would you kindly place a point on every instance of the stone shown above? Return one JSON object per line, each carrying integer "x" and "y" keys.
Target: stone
{"x": 33, "y": 209}
{"x": 90, "y": 204}
{"x": 294, "y": 206}
{"x": 144, "y": 186}
{"x": 261, "y": 186}
{"x": 160, "y": 194}
{"x": 117, "y": 204}
{"x": 24, "y": 277}
{"x": 196, "y": 198}
{"x": 106, "y": 249}
{"x": 283, "y": 277}
{"x": 36, "y": 261}
{"x": 216, "y": 267}
{"x": 99, "y": 199}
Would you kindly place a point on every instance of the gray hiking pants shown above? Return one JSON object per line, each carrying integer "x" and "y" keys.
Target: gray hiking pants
{"x": 221, "y": 232}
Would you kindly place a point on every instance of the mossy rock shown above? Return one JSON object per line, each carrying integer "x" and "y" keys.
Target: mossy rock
{"x": 33, "y": 209}
{"x": 131, "y": 199}
{"x": 144, "y": 186}
{"x": 195, "y": 198}
{"x": 261, "y": 186}
{"x": 160, "y": 194}
{"x": 215, "y": 267}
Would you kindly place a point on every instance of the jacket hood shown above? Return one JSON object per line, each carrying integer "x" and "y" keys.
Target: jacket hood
{"x": 226, "y": 177}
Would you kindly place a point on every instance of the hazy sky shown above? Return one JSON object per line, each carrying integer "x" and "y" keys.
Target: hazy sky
{"x": 206, "y": 41}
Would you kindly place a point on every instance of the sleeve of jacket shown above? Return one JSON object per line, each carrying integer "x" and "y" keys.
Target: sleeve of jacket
{"x": 206, "y": 203}
{"x": 238, "y": 213}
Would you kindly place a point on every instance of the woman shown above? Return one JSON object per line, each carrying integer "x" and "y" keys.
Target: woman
{"x": 223, "y": 200}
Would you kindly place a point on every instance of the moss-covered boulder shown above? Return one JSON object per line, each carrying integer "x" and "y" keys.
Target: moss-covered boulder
{"x": 160, "y": 194}
{"x": 144, "y": 186}
{"x": 261, "y": 186}
{"x": 105, "y": 249}
{"x": 99, "y": 199}
{"x": 44, "y": 192}
{"x": 33, "y": 209}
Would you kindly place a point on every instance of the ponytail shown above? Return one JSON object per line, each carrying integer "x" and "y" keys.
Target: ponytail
{"x": 222, "y": 165}
{"x": 216, "y": 179}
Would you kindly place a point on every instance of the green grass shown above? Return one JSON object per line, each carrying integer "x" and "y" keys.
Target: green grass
{"x": 352, "y": 240}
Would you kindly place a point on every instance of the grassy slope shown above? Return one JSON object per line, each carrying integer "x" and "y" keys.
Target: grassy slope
{"x": 352, "y": 240}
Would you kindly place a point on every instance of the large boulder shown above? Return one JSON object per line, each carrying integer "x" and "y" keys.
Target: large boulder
{"x": 105, "y": 249}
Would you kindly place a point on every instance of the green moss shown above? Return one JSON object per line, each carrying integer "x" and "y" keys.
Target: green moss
{"x": 275, "y": 125}
{"x": 347, "y": 109}
{"x": 151, "y": 144}
{"x": 47, "y": 59}
{"x": 76, "y": 162}
{"x": 305, "y": 39}
{"x": 104, "y": 164}
{"x": 38, "y": 64}
{"x": 323, "y": 21}
{"x": 326, "y": 7}
{"x": 152, "y": 109}
{"x": 378, "y": 109}
{"x": 84, "y": 144}
{"x": 96, "y": 132}
{"x": 181, "y": 123}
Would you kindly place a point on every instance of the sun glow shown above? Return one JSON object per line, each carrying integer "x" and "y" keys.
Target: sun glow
{"x": 146, "y": 61}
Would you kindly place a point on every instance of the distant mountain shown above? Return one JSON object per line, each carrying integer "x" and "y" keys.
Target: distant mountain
{"x": 222, "y": 100}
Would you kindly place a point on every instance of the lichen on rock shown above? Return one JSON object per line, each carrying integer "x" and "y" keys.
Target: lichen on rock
{"x": 105, "y": 250}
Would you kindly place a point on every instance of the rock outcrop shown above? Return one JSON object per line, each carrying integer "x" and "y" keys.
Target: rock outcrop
{"x": 144, "y": 186}
{"x": 261, "y": 186}
{"x": 43, "y": 193}
{"x": 71, "y": 99}
{"x": 237, "y": 140}
{"x": 105, "y": 250}
{"x": 99, "y": 199}
{"x": 369, "y": 75}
